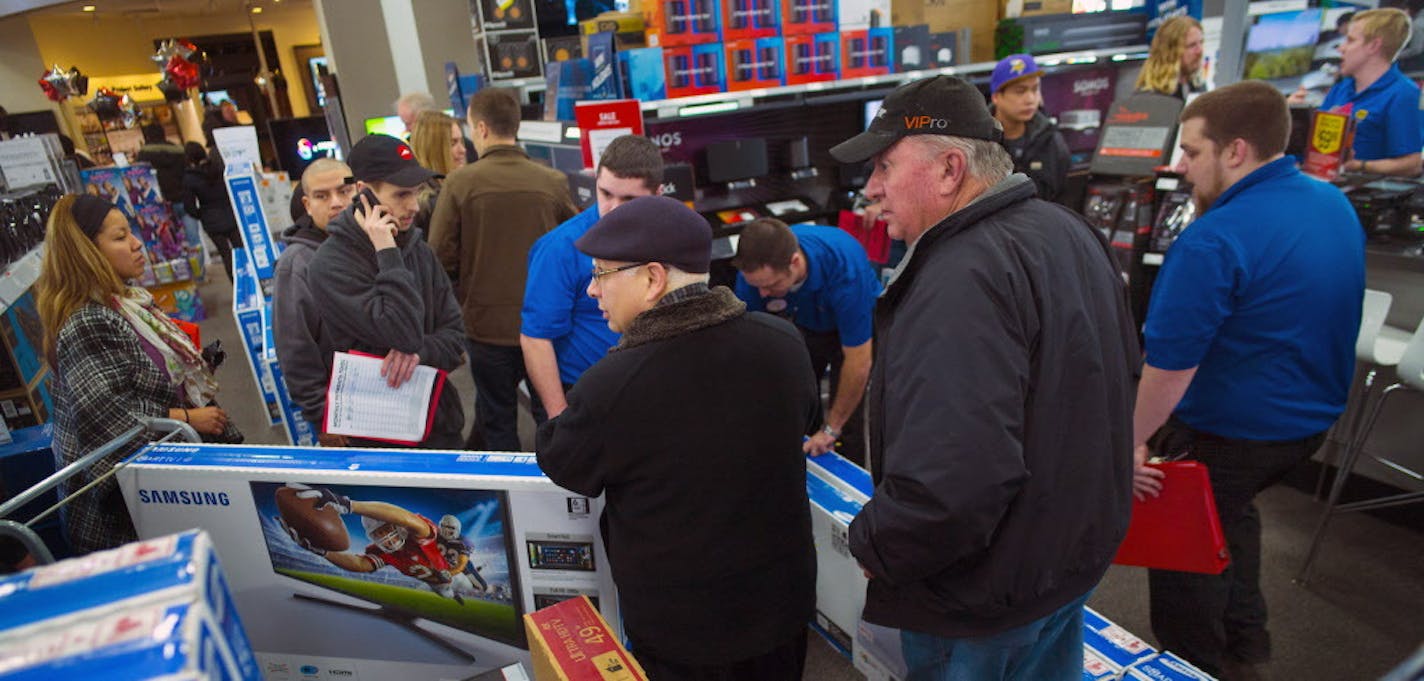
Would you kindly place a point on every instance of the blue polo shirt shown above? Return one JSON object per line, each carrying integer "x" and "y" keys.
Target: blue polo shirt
{"x": 840, "y": 288}
{"x": 1262, "y": 294}
{"x": 1387, "y": 117}
{"x": 556, "y": 302}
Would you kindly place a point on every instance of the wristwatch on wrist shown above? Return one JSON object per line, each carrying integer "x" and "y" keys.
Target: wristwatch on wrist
{"x": 827, "y": 429}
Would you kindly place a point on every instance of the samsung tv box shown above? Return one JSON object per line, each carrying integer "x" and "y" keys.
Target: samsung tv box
{"x": 378, "y": 563}
{"x": 70, "y": 602}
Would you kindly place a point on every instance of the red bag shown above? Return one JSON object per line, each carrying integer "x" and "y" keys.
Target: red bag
{"x": 193, "y": 332}
{"x": 1179, "y": 529}
{"x": 874, "y": 238}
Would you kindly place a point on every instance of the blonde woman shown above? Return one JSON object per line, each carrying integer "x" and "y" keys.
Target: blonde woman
{"x": 438, "y": 144}
{"x": 116, "y": 357}
{"x": 1173, "y": 65}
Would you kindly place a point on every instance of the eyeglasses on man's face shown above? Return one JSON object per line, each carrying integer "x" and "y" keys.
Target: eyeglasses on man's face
{"x": 600, "y": 273}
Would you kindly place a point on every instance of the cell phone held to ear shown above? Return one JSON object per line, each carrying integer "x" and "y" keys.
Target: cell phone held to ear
{"x": 367, "y": 198}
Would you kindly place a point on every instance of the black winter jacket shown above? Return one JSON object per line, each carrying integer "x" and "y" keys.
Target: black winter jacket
{"x": 168, "y": 162}
{"x": 1001, "y": 403}
{"x": 693, "y": 428}
{"x": 396, "y": 298}
{"x": 207, "y": 200}
{"x": 1042, "y": 155}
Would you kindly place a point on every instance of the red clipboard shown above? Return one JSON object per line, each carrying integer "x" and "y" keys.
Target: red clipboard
{"x": 440, "y": 375}
{"x": 1178, "y": 529}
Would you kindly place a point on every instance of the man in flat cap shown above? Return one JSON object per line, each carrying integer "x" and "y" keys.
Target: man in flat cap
{"x": 692, "y": 426}
{"x": 1000, "y": 401}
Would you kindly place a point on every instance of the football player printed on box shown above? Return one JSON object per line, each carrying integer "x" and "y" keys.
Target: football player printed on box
{"x": 457, "y": 552}
{"x": 400, "y": 539}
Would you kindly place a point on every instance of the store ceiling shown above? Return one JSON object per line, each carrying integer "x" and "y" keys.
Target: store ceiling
{"x": 147, "y": 8}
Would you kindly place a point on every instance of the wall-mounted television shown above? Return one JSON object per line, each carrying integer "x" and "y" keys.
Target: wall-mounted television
{"x": 1282, "y": 44}
{"x": 300, "y": 141}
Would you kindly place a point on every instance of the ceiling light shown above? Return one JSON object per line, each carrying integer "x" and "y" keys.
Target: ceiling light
{"x": 256, "y": 10}
{"x": 89, "y": 8}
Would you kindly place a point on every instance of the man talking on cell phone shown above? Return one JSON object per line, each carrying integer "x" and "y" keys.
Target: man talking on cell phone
{"x": 380, "y": 287}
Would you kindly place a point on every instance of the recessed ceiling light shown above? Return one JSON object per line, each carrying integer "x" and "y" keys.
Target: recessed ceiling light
{"x": 256, "y": 10}
{"x": 89, "y": 8}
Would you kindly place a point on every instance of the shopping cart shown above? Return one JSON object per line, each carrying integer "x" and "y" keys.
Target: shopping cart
{"x": 171, "y": 430}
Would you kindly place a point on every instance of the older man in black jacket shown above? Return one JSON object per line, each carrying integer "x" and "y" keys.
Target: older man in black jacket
{"x": 692, "y": 426}
{"x": 1001, "y": 401}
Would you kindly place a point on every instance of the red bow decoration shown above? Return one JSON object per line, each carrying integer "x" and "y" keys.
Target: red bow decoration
{"x": 182, "y": 72}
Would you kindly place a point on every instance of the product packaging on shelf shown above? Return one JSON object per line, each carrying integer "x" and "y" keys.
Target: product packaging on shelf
{"x": 153, "y": 607}
{"x": 753, "y": 64}
{"x": 426, "y": 574}
{"x": 812, "y": 58}
{"x": 745, "y": 19}
{"x": 672, "y": 23}
{"x": 513, "y": 55}
{"x": 868, "y": 52}
{"x": 570, "y": 641}
{"x": 694, "y": 70}
{"x": 799, "y": 17}
{"x": 858, "y": 15}
{"x": 642, "y": 73}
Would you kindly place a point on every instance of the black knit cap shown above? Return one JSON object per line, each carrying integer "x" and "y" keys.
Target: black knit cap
{"x": 942, "y": 105}
{"x": 89, "y": 213}
{"x": 651, "y": 229}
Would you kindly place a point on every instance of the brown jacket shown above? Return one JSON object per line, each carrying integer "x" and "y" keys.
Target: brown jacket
{"x": 488, "y": 215}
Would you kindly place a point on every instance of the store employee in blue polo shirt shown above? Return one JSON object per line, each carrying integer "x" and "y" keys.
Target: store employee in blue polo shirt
{"x": 819, "y": 278}
{"x": 1250, "y": 341}
{"x": 1373, "y": 91}
{"x": 562, "y": 332}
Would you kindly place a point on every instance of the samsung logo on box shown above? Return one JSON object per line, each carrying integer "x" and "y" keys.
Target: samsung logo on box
{"x": 183, "y": 497}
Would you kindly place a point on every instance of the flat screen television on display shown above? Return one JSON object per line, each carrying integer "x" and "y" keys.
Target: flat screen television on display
{"x": 733, "y": 160}
{"x": 386, "y": 125}
{"x": 421, "y": 581}
{"x": 1282, "y": 44}
{"x": 300, "y": 141}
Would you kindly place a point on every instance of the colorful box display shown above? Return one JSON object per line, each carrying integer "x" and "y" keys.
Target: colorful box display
{"x": 155, "y": 607}
{"x": 694, "y": 70}
{"x": 1166, "y": 667}
{"x": 570, "y": 641}
{"x": 745, "y": 19}
{"x": 514, "y": 54}
{"x": 799, "y": 17}
{"x": 753, "y": 64}
{"x": 672, "y": 23}
{"x": 812, "y": 58}
{"x": 417, "y": 565}
{"x": 857, "y": 15}
{"x": 867, "y": 52}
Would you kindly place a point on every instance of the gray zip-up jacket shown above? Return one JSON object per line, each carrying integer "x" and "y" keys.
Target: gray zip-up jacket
{"x": 398, "y": 298}
{"x": 303, "y": 350}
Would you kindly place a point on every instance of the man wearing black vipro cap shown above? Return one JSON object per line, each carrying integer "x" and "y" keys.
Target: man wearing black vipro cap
{"x": 692, "y": 429}
{"x": 379, "y": 286}
{"x": 1000, "y": 401}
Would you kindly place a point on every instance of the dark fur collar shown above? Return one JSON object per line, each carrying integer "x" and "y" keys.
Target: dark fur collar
{"x": 685, "y": 316}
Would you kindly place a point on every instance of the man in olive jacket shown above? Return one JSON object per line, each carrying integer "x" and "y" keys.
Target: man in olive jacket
{"x": 692, "y": 427}
{"x": 489, "y": 214}
{"x": 1001, "y": 401}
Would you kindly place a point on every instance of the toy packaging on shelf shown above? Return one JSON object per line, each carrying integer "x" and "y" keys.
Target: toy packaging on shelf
{"x": 672, "y": 23}
{"x": 694, "y": 70}
{"x": 812, "y": 58}
{"x": 379, "y": 564}
{"x": 753, "y": 64}
{"x": 868, "y": 52}
{"x": 180, "y": 300}
{"x": 151, "y": 608}
{"x": 746, "y": 19}
{"x": 799, "y": 17}
{"x": 108, "y": 184}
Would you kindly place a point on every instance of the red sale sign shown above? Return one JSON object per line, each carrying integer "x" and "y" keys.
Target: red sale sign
{"x": 600, "y": 122}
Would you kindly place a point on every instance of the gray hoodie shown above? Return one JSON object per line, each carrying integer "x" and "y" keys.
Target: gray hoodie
{"x": 397, "y": 298}
{"x": 303, "y": 349}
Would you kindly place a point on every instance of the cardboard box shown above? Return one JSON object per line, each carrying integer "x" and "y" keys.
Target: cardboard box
{"x": 1095, "y": 668}
{"x": 564, "y": 48}
{"x": 803, "y": 17}
{"x": 812, "y": 58}
{"x": 175, "y": 575}
{"x": 570, "y": 641}
{"x": 627, "y": 28}
{"x": 694, "y": 70}
{"x": 942, "y": 16}
{"x": 867, "y": 53}
{"x": 603, "y": 54}
{"x": 642, "y": 72}
{"x": 1032, "y": 8}
{"x": 1115, "y": 645}
{"x": 433, "y": 609}
{"x": 672, "y": 23}
{"x": 753, "y": 64}
{"x": 745, "y": 19}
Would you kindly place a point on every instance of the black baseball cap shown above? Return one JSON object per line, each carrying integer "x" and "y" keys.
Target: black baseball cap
{"x": 942, "y": 105}
{"x": 382, "y": 158}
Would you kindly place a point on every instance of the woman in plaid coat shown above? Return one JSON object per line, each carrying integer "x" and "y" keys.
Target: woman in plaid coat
{"x": 115, "y": 356}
